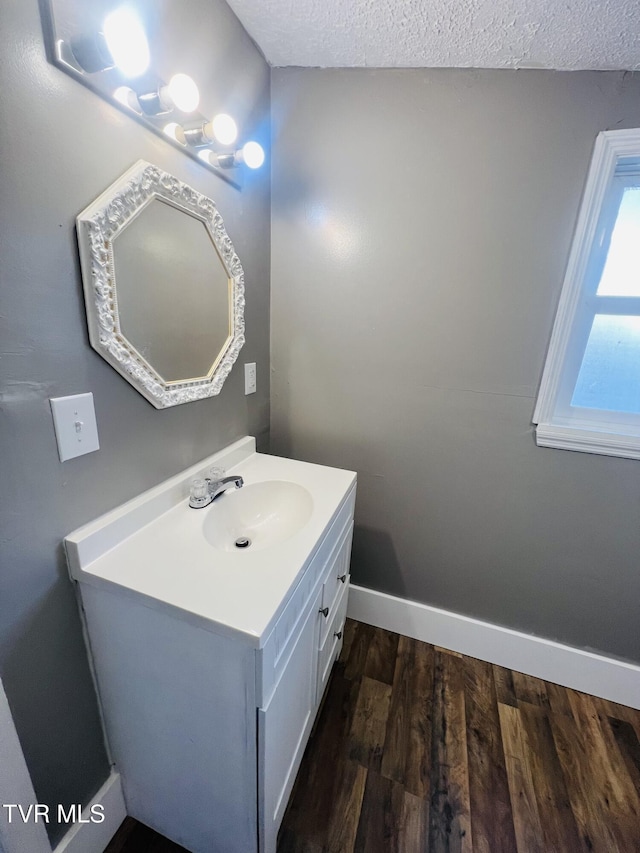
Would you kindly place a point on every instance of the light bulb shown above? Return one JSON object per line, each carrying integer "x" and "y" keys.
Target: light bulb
{"x": 127, "y": 41}
{"x": 181, "y": 92}
{"x": 128, "y": 97}
{"x": 91, "y": 52}
{"x": 184, "y": 93}
{"x": 252, "y": 155}
{"x": 218, "y": 161}
{"x": 224, "y": 129}
{"x": 175, "y": 132}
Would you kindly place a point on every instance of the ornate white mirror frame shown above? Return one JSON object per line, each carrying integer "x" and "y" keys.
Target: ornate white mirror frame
{"x": 98, "y": 226}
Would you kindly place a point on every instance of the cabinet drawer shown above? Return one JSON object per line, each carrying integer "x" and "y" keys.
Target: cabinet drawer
{"x": 333, "y": 583}
{"x": 332, "y": 645}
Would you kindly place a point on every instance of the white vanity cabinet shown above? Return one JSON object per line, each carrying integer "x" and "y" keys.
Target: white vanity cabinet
{"x": 207, "y": 718}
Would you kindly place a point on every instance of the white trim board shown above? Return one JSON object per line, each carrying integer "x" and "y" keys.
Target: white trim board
{"x": 94, "y": 837}
{"x": 16, "y": 787}
{"x": 558, "y": 423}
{"x": 588, "y": 672}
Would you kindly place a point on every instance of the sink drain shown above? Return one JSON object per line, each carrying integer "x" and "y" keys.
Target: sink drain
{"x": 243, "y": 542}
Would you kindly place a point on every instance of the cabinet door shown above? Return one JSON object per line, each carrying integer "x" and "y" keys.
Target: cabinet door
{"x": 284, "y": 726}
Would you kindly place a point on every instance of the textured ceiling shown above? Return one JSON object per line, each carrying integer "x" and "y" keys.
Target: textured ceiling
{"x": 568, "y": 34}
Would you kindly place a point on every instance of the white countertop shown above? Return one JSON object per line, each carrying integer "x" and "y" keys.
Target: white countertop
{"x": 153, "y": 547}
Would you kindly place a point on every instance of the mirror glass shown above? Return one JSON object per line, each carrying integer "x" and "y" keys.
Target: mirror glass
{"x": 164, "y": 287}
{"x": 172, "y": 292}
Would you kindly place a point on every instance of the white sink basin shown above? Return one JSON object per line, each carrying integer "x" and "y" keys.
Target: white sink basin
{"x": 264, "y": 513}
{"x": 185, "y": 561}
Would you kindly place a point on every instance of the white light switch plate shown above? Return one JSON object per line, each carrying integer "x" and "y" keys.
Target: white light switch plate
{"x": 74, "y": 419}
{"x": 250, "y": 378}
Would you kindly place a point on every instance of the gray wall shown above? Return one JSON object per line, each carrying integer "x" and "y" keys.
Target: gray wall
{"x": 60, "y": 147}
{"x": 421, "y": 223}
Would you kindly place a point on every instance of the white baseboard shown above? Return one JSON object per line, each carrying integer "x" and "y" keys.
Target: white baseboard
{"x": 94, "y": 837}
{"x": 601, "y": 676}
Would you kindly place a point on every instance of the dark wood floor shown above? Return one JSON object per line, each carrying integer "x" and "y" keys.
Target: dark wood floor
{"x": 419, "y": 749}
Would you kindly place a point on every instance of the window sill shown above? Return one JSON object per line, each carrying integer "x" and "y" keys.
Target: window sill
{"x": 588, "y": 441}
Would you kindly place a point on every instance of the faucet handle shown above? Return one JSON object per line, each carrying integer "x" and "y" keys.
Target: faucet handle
{"x": 215, "y": 473}
{"x": 198, "y": 493}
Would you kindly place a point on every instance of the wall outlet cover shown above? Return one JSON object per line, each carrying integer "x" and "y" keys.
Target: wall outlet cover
{"x": 250, "y": 383}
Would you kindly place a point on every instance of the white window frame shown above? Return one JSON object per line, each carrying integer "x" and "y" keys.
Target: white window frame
{"x": 557, "y": 423}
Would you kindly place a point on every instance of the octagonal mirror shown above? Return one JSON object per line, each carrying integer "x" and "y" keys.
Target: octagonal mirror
{"x": 164, "y": 287}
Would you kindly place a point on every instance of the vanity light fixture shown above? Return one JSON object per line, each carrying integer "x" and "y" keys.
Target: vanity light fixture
{"x": 114, "y": 60}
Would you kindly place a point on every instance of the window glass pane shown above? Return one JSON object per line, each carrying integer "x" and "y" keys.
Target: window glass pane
{"x": 621, "y": 274}
{"x": 609, "y": 377}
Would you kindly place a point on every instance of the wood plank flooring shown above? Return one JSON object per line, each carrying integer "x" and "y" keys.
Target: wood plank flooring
{"x": 421, "y": 750}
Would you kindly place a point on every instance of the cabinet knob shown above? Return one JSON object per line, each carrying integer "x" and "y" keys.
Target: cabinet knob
{"x": 342, "y": 578}
{"x": 338, "y": 634}
{"x": 324, "y": 611}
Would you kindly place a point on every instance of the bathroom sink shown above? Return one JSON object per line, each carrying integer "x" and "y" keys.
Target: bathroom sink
{"x": 185, "y": 561}
{"x": 257, "y": 516}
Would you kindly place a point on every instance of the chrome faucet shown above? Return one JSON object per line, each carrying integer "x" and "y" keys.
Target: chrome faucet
{"x": 204, "y": 492}
{"x": 217, "y": 487}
